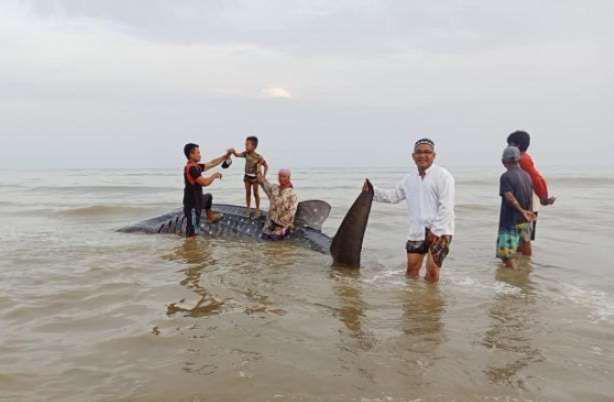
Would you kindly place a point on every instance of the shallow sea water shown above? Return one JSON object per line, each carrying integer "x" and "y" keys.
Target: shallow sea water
{"x": 89, "y": 314}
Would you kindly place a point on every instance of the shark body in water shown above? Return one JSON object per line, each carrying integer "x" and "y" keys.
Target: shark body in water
{"x": 345, "y": 247}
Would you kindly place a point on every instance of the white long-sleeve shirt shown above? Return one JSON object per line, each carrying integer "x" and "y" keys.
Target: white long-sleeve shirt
{"x": 430, "y": 201}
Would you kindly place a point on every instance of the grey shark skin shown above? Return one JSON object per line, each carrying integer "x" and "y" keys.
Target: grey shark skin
{"x": 237, "y": 223}
{"x": 346, "y": 247}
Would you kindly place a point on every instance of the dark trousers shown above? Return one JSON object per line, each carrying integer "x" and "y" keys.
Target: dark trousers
{"x": 192, "y": 214}
{"x": 192, "y": 219}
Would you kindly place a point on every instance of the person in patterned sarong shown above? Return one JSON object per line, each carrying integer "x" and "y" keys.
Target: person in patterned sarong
{"x": 283, "y": 205}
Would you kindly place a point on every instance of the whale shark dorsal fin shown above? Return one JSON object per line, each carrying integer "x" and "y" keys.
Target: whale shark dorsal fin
{"x": 312, "y": 214}
{"x": 346, "y": 248}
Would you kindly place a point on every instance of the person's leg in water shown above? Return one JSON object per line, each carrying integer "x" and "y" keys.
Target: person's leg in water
{"x": 525, "y": 231}
{"x": 197, "y": 214}
{"x": 438, "y": 251}
{"x": 256, "y": 197}
{"x": 525, "y": 248}
{"x": 190, "y": 231}
{"x": 432, "y": 270}
{"x": 416, "y": 250}
{"x": 414, "y": 263}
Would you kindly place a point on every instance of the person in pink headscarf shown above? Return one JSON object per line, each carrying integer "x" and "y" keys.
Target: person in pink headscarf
{"x": 283, "y": 205}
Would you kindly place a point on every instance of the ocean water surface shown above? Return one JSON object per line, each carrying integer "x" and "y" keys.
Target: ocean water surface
{"x": 89, "y": 314}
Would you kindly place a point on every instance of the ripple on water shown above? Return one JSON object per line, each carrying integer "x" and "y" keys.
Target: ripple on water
{"x": 90, "y": 314}
{"x": 599, "y": 303}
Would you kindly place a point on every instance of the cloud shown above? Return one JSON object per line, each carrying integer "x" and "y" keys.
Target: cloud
{"x": 276, "y": 92}
{"x": 162, "y": 72}
{"x": 345, "y": 26}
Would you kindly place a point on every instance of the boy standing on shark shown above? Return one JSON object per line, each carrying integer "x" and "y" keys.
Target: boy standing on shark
{"x": 253, "y": 162}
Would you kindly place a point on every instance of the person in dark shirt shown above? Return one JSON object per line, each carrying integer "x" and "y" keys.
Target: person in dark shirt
{"x": 193, "y": 199}
{"x": 516, "y": 191}
{"x": 522, "y": 140}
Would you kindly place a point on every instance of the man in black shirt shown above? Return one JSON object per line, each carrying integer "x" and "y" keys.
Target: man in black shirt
{"x": 516, "y": 191}
{"x": 193, "y": 199}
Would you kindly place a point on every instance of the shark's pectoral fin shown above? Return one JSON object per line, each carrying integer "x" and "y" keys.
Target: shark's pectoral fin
{"x": 346, "y": 247}
{"x": 312, "y": 214}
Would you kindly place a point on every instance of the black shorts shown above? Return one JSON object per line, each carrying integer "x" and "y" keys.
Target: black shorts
{"x": 250, "y": 179}
{"x": 439, "y": 249}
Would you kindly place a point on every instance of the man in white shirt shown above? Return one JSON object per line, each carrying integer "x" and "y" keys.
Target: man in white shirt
{"x": 429, "y": 193}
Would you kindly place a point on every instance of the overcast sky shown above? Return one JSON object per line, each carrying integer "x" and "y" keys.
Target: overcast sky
{"x": 116, "y": 83}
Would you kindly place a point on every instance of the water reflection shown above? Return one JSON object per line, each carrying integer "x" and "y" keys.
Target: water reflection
{"x": 279, "y": 254}
{"x": 355, "y": 341}
{"x": 199, "y": 255}
{"x": 513, "y": 320}
{"x": 262, "y": 273}
{"x": 193, "y": 251}
{"x": 351, "y": 310}
{"x": 423, "y": 309}
{"x": 422, "y": 332}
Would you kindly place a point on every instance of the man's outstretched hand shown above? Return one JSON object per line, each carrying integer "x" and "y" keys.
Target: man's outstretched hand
{"x": 548, "y": 201}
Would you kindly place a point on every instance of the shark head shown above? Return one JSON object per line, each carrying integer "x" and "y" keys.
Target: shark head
{"x": 346, "y": 247}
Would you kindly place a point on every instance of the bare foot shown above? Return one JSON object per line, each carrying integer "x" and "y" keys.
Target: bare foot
{"x": 213, "y": 216}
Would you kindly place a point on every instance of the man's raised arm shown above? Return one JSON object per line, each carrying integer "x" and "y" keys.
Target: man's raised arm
{"x": 217, "y": 161}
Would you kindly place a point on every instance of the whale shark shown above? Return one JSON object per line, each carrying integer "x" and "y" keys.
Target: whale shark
{"x": 237, "y": 222}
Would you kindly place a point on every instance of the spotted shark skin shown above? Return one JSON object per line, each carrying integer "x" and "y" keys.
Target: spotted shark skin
{"x": 238, "y": 223}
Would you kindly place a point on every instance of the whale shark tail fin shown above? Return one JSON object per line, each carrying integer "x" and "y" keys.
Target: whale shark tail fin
{"x": 346, "y": 248}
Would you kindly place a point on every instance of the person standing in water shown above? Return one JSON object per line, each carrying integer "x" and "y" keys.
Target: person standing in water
{"x": 429, "y": 193}
{"x": 253, "y": 161}
{"x": 516, "y": 191}
{"x": 522, "y": 140}
{"x": 193, "y": 199}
